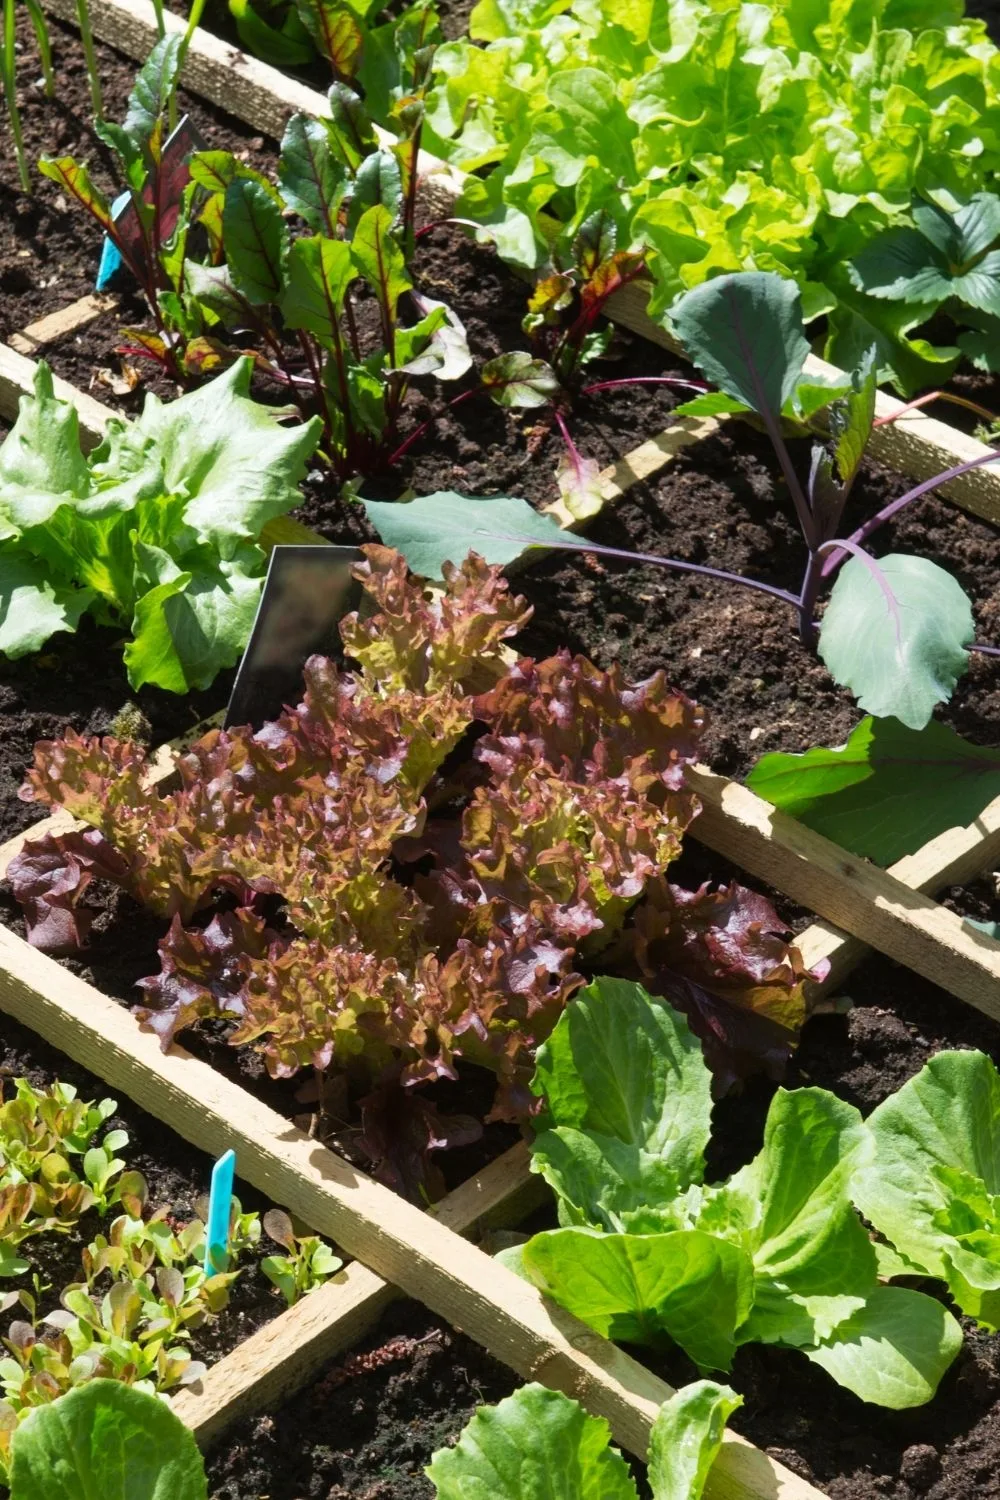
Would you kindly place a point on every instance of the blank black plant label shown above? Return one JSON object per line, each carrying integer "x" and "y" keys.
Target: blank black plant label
{"x": 307, "y": 592}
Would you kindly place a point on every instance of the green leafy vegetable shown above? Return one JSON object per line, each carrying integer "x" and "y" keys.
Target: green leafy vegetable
{"x": 745, "y": 333}
{"x": 156, "y": 529}
{"x": 905, "y": 670}
{"x": 106, "y": 1441}
{"x": 541, "y": 1445}
{"x": 716, "y": 142}
{"x": 445, "y": 527}
{"x": 946, "y": 255}
{"x": 776, "y": 1255}
{"x": 887, "y": 791}
{"x": 932, "y": 1187}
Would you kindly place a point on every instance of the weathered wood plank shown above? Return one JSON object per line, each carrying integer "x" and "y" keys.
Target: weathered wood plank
{"x": 284, "y": 1355}
{"x": 63, "y": 321}
{"x": 955, "y": 856}
{"x": 17, "y": 374}
{"x": 871, "y": 904}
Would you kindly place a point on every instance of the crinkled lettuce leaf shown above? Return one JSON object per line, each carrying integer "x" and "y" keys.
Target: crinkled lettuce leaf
{"x": 541, "y": 1445}
{"x": 932, "y": 1186}
{"x": 156, "y": 529}
{"x": 723, "y": 136}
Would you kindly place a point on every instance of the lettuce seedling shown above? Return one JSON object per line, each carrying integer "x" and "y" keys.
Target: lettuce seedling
{"x": 109, "y": 1439}
{"x": 647, "y": 1251}
{"x": 540, "y": 1442}
{"x": 41, "y": 1191}
{"x": 156, "y": 530}
{"x": 422, "y": 855}
{"x": 307, "y": 1263}
{"x": 932, "y": 1184}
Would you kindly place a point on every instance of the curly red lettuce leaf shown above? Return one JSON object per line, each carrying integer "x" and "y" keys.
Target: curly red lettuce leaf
{"x": 585, "y": 802}
{"x": 721, "y": 957}
{"x": 397, "y": 946}
{"x": 204, "y": 971}
{"x": 400, "y": 1129}
{"x": 593, "y": 725}
{"x": 426, "y": 639}
{"x": 49, "y": 879}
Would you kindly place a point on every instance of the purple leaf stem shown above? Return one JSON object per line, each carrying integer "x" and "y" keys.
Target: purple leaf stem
{"x": 888, "y": 511}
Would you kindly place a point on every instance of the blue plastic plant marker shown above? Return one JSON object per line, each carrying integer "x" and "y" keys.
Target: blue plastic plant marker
{"x": 219, "y": 1200}
{"x": 110, "y": 269}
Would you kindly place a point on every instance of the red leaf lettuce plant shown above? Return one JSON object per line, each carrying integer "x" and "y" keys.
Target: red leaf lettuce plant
{"x": 417, "y": 863}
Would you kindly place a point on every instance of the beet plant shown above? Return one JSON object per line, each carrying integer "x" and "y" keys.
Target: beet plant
{"x": 418, "y": 865}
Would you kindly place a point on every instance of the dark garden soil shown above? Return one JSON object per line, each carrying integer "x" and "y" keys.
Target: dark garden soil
{"x": 177, "y": 1176}
{"x": 368, "y": 1426}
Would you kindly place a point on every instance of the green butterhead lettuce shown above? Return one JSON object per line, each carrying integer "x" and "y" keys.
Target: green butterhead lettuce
{"x": 104, "y": 1440}
{"x": 157, "y": 528}
{"x": 648, "y": 1251}
{"x": 541, "y": 1445}
{"x": 932, "y": 1186}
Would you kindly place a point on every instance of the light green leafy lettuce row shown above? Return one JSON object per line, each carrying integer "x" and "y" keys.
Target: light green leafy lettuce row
{"x": 155, "y": 530}
{"x": 647, "y": 1251}
{"x": 724, "y": 135}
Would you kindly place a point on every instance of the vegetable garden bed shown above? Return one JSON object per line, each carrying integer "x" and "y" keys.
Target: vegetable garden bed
{"x": 420, "y": 1253}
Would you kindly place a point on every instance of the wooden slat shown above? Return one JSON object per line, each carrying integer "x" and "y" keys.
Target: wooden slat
{"x": 284, "y": 1355}
{"x": 955, "y": 856}
{"x": 403, "y": 1245}
{"x": 64, "y": 321}
{"x": 17, "y": 374}
{"x": 867, "y": 902}
{"x": 916, "y": 446}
